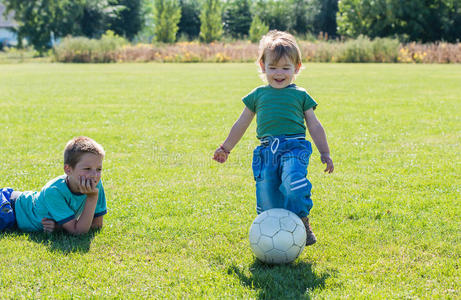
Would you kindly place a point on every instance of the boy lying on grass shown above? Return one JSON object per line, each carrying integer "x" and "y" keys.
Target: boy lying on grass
{"x": 74, "y": 201}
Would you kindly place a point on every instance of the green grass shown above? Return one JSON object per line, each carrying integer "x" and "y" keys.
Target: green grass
{"x": 388, "y": 219}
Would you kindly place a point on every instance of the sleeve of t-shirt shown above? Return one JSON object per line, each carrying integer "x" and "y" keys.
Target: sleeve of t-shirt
{"x": 308, "y": 102}
{"x": 250, "y": 101}
{"x": 101, "y": 208}
{"x": 58, "y": 206}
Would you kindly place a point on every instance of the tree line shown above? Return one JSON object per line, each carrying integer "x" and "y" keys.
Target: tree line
{"x": 42, "y": 21}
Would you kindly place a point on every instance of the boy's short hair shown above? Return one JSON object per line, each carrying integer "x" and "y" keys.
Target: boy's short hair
{"x": 279, "y": 44}
{"x": 78, "y": 146}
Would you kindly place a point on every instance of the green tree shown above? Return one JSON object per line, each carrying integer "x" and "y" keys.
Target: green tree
{"x": 303, "y": 15}
{"x": 189, "y": 25}
{"x": 237, "y": 18}
{"x": 211, "y": 23}
{"x": 95, "y": 18}
{"x": 325, "y": 19}
{"x": 258, "y": 29}
{"x": 167, "y": 14}
{"x": 414, "y": 20}
{"x": 39, "y": 21}
{"x": 129, "y": 18}
{"x": 276, "y": 14}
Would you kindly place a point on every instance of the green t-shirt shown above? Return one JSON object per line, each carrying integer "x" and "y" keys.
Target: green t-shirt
{"x": 55, "y": 201}
{"x": 279, "y": 111}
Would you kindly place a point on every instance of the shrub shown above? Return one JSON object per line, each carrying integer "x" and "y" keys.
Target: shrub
{"x": 359, "y": 50}
{"x": 84, "y": 50}
{"x": 385, "y": 50}
{"x": 115, "y": 49}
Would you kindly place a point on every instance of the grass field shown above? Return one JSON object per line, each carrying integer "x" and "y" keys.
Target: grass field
{"x": 388, "y": 220}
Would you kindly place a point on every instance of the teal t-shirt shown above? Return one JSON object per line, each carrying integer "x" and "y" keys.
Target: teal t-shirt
{"x": 279, "y": 111}
{"x": 55, "y": 201}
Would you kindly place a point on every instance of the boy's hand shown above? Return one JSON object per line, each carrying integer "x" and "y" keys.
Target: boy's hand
{"x": 326, "y": 159}
{"x": 49, "y": 225}
{"x": 221, "y": 155}
{"x": 88, "y": 186}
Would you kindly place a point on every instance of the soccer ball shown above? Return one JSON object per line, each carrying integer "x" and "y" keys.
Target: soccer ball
{"x": 277, "y": 236}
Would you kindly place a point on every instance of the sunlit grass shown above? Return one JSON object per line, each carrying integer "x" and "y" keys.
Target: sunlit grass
{"x": 387, "y": 221}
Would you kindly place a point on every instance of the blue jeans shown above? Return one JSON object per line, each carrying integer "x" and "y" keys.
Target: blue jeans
{"x": 7, "y": 213}
{"x": 280, "y": 170}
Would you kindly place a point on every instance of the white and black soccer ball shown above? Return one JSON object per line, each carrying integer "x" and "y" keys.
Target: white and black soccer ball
{"x": 277, "y": 236}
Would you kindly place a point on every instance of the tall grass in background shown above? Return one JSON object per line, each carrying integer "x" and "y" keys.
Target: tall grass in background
{"x": 85, "y": 50}
{"x": 111, "y": 48}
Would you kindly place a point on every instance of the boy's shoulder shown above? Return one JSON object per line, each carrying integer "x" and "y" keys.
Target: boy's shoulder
{"x": 56, "y": 187}
{"x": 293, "y": 88}
{"x": 57, "y": 182}
{"x": 259, "y": 89}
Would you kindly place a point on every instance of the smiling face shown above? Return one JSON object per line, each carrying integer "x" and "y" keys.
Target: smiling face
{"x": 89, "y": 167}
{"x": 279, "y": 74}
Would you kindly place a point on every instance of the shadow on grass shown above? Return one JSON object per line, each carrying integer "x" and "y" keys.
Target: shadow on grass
{"x": 292, "y": 281}
{"x": 58, "y": 241}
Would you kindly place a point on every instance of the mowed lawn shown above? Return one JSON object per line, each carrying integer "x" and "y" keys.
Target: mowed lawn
{"x": 388, "y": 220}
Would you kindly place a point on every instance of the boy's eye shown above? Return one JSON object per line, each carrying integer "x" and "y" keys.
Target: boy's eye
{"x": 99, "y": 169}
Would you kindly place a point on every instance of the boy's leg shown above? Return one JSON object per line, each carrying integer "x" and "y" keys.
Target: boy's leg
{"x": 14, "y": 195}
{"x": 7, "y": 203}
{"x": 265, "y": 171}
{"x": 295, "y": 187}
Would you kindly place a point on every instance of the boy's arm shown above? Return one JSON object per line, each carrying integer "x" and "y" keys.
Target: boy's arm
{"x": 320, "y": 139}
{"x": 83, "y": 224}
{"x": 97, "y": 222}
{"x": 235, "y": 134}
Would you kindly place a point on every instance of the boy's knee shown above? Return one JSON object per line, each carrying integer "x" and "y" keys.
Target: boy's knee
{"x": 297, "y": 186}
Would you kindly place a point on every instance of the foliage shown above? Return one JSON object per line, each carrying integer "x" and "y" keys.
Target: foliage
{"x": 96, "y": 17}
{"x": 129, "y": 19}
{"x": 276, "y": 14}
{"x": 237, "y": 18}
{"x": 257, "y": 29}
{"x": 189, "y": 25}
{"x": 302, "y": 15}
{"x": 167, "y": 14}
{"x": 430, "y": 20}
{"x": 42, "y": 20}
{"x": 85, "y": 50}
{"x": 325, "y": 19}
{"x": 211, "y": 27}
{"x": 363, "y": 49}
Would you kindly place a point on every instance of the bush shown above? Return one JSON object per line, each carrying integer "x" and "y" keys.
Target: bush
{"x": 84, "y": 50}
{"x": 359, "y": 50}
{"x": 385, "y": 50}
{"x": 112, "y": 48}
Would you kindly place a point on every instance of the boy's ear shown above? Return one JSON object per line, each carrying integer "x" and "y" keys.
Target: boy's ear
{"x": 263, "y": 67}
{"x": 298, "y": 67}
{"x": 67, "y": 169}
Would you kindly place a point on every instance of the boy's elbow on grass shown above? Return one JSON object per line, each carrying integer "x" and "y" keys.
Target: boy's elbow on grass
{"x": 73, "y": 228}
{"x": 78, "y": 231}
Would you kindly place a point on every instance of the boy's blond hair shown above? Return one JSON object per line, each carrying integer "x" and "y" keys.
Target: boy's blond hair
{"x": 279, "y": 44}
{"x": 78, "y": 146}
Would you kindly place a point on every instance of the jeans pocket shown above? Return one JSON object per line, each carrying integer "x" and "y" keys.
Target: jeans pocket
{"x": 257, "y": 164}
